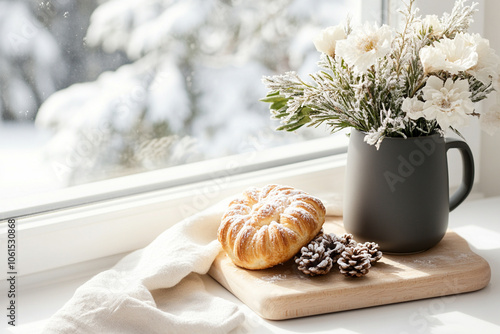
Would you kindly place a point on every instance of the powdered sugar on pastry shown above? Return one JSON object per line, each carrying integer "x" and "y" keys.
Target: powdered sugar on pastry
{"x": 268, "y": 226}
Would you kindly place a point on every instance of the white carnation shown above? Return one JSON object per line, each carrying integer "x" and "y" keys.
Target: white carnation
{"x": 365, "y": 45}
{"x": 451, "y": 55}
{"x": 413, "y": 108}
{"x": 448, "y": 104}
{"x": 326, "y": 40}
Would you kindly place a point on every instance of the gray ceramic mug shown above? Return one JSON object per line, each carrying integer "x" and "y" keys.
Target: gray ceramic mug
{"x": 398, "y": 196}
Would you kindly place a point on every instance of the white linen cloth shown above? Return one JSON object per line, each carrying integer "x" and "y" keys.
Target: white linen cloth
{"x": 157, "y": 289}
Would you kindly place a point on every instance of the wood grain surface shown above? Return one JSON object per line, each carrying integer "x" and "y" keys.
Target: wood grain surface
{"x": 283, "y": 292}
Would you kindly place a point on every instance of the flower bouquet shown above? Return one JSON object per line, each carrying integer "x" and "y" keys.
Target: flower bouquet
{"x": 399, "y": 91}
{"x": 416, "y": 82}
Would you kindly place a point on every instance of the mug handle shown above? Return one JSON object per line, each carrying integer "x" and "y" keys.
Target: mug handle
{"x": 467, "y": 173}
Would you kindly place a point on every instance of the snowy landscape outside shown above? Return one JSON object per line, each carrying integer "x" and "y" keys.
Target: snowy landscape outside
{"x": 91, "y": 90}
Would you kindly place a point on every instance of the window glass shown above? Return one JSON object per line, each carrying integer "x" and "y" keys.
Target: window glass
{"x": 91, "y": 90}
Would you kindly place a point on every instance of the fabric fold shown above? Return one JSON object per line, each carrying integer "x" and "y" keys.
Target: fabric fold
{"x": 155, "y": 289}
{"x": 158, "y": 289}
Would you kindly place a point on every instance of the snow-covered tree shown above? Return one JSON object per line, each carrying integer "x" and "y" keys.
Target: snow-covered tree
{"x": 42, "y": 50}
{"x": 192, "y": 91}
{"x": 28, "y": 61}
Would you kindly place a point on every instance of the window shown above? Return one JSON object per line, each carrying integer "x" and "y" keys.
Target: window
{"x": 137, "y": 114}
{"x": 98, "y": 90}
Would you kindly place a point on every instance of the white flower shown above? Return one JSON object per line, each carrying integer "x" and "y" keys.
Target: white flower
{"x": 451, "y": 55}
{"x": 413, "y": 107}
{"x": 432, "y": 21}
{"x": 365, "y": 45}
{"x": 326, "y": 40}
{"x": 465, "y": 53}
{"x": 448, "y": 104}
{"x": 487, "y": 66}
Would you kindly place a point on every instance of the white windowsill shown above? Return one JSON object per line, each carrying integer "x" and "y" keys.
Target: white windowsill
{"x": 475, "y": 221}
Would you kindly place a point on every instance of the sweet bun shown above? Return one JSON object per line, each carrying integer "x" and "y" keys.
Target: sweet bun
{"x": 264, "y": 227}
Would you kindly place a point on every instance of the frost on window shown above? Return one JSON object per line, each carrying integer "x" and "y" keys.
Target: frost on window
{"x": 125, "y": 86}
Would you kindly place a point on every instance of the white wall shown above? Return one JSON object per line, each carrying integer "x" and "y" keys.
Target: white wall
{"x": 490, "y": 145}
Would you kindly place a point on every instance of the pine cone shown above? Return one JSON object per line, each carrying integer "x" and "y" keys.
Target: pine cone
{"x": 332, "y": 243}
{"x": 372, "y": 249}
{"x": 323, "y": 237}
{"x": 354, "y": 262}
{"x": 314, "y": 259}
{"x": 348, "y": 240}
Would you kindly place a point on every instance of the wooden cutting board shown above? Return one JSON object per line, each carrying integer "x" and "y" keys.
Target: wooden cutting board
{"x": 283, "y": 292}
